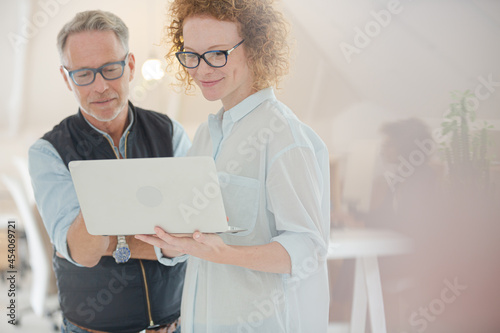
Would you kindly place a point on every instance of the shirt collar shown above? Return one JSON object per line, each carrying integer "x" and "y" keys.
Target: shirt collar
{"x": 247, "y": 105}
{"x": 130, "y": 117}
{"x": 226, "y": 119}
{"x": 221, "y": 123}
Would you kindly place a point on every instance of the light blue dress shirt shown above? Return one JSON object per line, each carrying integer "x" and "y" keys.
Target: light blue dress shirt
{"x": 55, "y": 194}
{"x": 274, "y": 176}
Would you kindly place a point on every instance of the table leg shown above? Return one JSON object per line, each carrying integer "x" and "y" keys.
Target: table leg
{"x": 360, "y": 299}
{"x": 374, "y": 292}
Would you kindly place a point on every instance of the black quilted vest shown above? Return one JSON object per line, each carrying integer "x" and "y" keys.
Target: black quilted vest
{"x": 117, "y": 297}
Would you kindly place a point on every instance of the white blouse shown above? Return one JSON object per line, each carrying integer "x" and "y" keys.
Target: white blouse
{"x": 274, "y": 177}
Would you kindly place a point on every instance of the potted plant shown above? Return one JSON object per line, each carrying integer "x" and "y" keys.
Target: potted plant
{"x": 465, "y": 146}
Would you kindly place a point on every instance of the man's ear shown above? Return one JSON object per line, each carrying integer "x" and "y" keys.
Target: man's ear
{"x": 131, "y": 65}
{"x": 61, "y": 69}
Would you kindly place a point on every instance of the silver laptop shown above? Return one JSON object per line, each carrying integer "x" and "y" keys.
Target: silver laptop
{"x": 132, "y": 196}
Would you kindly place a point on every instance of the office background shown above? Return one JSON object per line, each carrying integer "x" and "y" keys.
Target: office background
{"x": 356, "y": 65}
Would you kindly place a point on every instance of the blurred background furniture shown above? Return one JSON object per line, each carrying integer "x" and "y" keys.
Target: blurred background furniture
{"x": 366, "y": 246}
{"x": 43, "y": 291}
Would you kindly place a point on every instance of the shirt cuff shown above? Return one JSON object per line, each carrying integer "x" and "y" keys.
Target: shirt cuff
{"x": 169, "y": 261}
{"x": 306, "y": 255}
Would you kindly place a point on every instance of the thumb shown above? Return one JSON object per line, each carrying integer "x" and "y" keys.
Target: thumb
{"x": 198, "y": 236}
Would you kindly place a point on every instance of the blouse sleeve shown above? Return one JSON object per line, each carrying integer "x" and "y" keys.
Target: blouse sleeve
{"x": 299, "y": 197}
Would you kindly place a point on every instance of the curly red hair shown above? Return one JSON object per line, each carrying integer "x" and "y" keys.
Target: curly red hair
{"x": 263, "y": 28}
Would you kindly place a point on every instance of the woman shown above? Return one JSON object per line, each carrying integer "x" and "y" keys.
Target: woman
{"x": 274, "y": 178}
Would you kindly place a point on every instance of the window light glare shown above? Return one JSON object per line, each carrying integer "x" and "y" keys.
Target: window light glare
{"x": 152, "y": 70}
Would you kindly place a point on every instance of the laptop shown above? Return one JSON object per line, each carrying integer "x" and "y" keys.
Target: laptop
{"x": 132, "y": 196}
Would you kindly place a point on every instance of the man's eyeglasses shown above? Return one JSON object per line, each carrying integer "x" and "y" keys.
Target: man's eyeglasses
{"x": 86, "y": 76}
{"x": 216, "y": 58}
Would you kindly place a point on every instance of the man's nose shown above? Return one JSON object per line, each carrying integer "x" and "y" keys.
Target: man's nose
{"x": 100, "y": 83}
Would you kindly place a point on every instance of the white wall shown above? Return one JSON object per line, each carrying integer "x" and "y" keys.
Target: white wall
{"x": 394, "y": 58}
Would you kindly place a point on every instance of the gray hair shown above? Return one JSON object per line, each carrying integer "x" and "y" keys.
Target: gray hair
{"x": 93, "y": 20}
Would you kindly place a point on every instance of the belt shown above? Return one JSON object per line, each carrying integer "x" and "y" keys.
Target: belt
{"x": 167, "y": 328}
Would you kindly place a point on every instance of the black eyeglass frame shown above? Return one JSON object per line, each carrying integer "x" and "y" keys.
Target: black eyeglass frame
{"x": 71, "y": 74}
{"x": 199, "y": 56}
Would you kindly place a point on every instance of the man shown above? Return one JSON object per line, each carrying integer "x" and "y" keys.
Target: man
{"x": 100, "y": 290}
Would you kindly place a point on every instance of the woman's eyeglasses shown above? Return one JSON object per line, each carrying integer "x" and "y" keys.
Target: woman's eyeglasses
{"x": 216, "y": 58}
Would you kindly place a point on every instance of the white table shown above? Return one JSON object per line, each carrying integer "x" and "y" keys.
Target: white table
{"x": 366, "y": 245}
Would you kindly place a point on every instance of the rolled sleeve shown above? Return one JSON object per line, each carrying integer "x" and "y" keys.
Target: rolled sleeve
{"x": 54, "y": 192}
{"x": 302, "y": 250}
{"x": 169, "y": 261}
{"x": 298, "y": 196}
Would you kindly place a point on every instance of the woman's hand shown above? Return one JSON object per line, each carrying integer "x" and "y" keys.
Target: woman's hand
{"x": 272, "y": 257}
{"x": 209, "y": 247}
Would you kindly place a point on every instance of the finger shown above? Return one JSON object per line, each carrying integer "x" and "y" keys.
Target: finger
{"x": 153, "y": 240}
{"x": 182, "y": 235}
{"x": 174, "y": 242}
{"x": 158, "y": 242}
{"x": 163, "y": 235}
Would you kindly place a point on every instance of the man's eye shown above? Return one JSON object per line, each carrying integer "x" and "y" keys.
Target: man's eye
{"x": 83, "y": 74}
